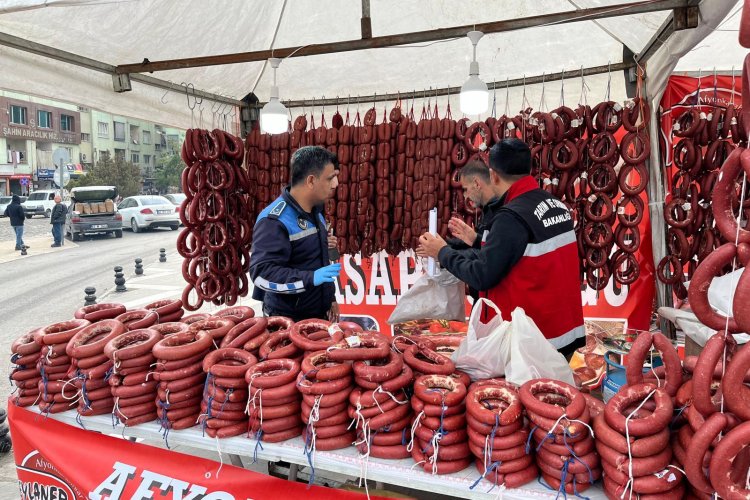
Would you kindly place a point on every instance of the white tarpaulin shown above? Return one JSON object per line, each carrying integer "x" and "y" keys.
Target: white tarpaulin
{"x": 121, "y": 32}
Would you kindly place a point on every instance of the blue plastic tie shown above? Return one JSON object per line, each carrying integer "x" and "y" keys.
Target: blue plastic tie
{"x": 528, "y": 440}
{"x": 258, "y": 436}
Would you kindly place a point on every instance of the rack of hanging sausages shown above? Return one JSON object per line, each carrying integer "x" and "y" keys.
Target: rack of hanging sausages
{"x": 678, "y": 426}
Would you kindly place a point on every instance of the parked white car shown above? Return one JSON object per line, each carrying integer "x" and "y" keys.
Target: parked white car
{"x": 40, "y": 203}
{"x": 146, "y": 212}
{"x": 4, "y": 202}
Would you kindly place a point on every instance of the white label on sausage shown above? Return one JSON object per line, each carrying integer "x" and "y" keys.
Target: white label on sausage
{"x": 584, "y": 175}
{"x": 511, "y": 126}
{"x": 546, "y": 181}
{"x": 710, "y": 117}
{"x": 353, "y": 341}
{"x": 575, "y": 123}
{"x": 630, "y": 104}
{"x": 617, "y": 107}
{"x": 334, "y": 329}
{"x": 734, "y": 121}
{"x": 676, "y": 126}
{"x": 687, "y": 206}
{"x": 555, "y": 182}
{"x": 702, "y": 115}
{"x": 592, "y": 198}
{"x": 620, "y": 210}
{"x": 554, "y": 115}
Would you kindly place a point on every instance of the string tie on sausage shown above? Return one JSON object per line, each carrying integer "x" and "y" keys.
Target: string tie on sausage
{"x": 419, "y": 416}
{"x": 629, "y": 484}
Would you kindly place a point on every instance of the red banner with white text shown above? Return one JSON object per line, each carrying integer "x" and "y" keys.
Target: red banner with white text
{"x": 57, "y": 461}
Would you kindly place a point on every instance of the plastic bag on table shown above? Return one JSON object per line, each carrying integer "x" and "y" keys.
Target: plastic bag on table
{"x": 432, "y": 297}
{"x": 486, "y": 348}
{"x": 531, "y": 355}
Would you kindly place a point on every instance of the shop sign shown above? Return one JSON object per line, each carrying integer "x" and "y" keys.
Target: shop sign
{"x": 36, "y": 134}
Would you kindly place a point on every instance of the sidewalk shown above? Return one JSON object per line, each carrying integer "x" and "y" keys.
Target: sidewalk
{"x": 163, "y": 280}
{"x": 38, "y": 245}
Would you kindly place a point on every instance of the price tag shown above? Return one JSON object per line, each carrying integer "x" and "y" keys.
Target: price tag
{"x": 575, "y": 123}
{"x": 676, "y": 126}
{"x": 687, "y": 206}
{"x": 617, "y": 107}
{"x": 734, "y": 121}
{"x": 592, "y": 198}
{"x": 353, "y": 341}
{"x": 546, "y": 182}
{"x": 584, "y": 175}
{"x": 630, "y": 104}
{"x": 483, "y": 147}
{"x": 710, "y": 117}
{"x": 511, "y": 126}
{"x": 702, "y": 115}
{"x": 554, "y": 115}
{"x": 334, "y": 329}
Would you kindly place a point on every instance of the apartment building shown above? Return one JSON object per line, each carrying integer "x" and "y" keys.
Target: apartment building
{"x": 31, "y": 129}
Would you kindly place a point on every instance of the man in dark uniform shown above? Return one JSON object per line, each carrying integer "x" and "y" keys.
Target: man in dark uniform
{"x": 289, "y": 263}
{"x": 528, "y": 255}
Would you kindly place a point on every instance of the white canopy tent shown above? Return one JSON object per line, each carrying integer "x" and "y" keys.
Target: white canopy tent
{"x": 117, "y": 32}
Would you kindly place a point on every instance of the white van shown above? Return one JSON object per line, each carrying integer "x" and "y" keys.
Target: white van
{"x": 39, "y": 203}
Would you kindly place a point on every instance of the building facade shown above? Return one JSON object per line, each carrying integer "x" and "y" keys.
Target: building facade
{"x": 33, "y": 128}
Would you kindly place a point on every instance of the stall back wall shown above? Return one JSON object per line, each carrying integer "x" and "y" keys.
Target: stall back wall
{"x": 397, "y": 164}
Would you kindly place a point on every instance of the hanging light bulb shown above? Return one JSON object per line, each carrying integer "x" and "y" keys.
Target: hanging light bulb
{"x": 474, "y": 93}
{"x": 274, "y": 115}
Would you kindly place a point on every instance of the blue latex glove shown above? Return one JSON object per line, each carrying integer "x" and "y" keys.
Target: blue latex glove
{"x": 326, "y": 274}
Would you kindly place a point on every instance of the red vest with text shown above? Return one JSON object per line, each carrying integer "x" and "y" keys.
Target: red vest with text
{"x": 545, "y": 282}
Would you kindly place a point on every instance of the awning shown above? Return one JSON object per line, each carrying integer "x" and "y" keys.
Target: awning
{"x": 20, "y": 176}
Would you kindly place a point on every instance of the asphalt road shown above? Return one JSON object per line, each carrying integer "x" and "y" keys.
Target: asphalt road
{"x": 43, "y": 289}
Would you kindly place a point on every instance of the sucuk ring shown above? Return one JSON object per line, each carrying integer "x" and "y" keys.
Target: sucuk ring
{"x": 278, "y": 346}
{"x": 182, "y": 345}
{"x": 132, "y": 344}
{"x": 576, "y": 402}
{"x": 439, "y": 390}
{"x": 634, "y": 394}
{"x": 379, "y": 372}
{"x": 372, "y": 345}
{"x": 138, "y": 318}
{"x": 90, "y": 340}
{"x": 59, "y": 333}
{"x": 306, "y": 386}
{"x": 97, "y": 312}
{"x": 320, "y": 366}
{"x": 272, "y": 373}
{"x": 25, "y": 345}
{"x": 194, "y": 318}
{"x": 243, "y": 332}
{"x": 164, "y": 307}
{"x": 302, "y": 334}
{"x": 431, "y": 362}
{"x": 490, "y": 415}
{"x": 217, "y": 328}
{"x": 240, "y": 362}
{"x": 236, "y": 314}
{"x": 399, "y": 382}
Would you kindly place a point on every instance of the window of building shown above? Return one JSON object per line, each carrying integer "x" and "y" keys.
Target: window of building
{"x": 120, "y": 154}
{"x": 119, "y": 131}
{"x": 43, "y": 119}
{"x": 147, "y": 159}
{"x": 66, "y": 123}
{"x": 135, "y": 158}
{"x": 103, "y": 128}
{"x": 18, "y": 115}
{"x": 85, "y": 137}
{"x": 146, "y": 137}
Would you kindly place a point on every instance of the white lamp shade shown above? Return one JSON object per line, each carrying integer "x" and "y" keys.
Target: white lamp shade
{"x": 274, "y": 118}
{"x": 474, "y": 96}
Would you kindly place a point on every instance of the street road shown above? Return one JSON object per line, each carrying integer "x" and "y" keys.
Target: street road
{"x": 43, "y": 289}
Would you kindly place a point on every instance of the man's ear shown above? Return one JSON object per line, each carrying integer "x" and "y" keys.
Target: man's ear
{"x": 310, "y": 181}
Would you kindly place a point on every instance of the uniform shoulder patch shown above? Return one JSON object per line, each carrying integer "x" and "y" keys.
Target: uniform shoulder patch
{"x": 276, "y": 210}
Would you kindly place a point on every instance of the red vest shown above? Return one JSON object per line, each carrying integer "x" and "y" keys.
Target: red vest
{"x": 545, "y": 282}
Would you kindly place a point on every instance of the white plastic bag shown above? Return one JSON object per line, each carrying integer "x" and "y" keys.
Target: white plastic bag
{"x": 531, "y": 355}
{"x": 432, "y": 297}
{"x": 486, "y": 348}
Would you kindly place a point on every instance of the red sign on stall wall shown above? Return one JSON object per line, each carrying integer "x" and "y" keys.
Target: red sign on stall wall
{"x": 369, "y": 288}
{"x": 57, "y": 461}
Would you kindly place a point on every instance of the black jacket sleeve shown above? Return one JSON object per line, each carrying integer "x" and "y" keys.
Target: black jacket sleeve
{"x": 270, "y": 267}
{"x": 485, "y": 268}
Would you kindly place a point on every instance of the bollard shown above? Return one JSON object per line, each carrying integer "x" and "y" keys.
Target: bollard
{"x": 120, "y": 280}
{"x": 90, "y": 298}
{"x": 138, "y": 267}
{"x": 23, "y": 249}
{"x": 162, "y": 255}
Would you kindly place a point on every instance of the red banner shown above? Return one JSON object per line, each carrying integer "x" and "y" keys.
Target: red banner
{"x": 57, "y": 461}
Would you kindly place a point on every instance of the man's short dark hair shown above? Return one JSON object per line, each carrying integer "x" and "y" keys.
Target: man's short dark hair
{"x": 511, "y": 158}
{"x": 310, "y": 160}
{"x": 475, "y": 168}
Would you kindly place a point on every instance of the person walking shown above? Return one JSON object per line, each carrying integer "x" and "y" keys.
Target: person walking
{"x": 57, "y": 219}
{"x": 17, "y": 217}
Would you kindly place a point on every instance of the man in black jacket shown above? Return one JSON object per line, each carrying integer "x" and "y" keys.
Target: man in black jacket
{"x": 17, "y": 217}
{"x": 57, "y": 219}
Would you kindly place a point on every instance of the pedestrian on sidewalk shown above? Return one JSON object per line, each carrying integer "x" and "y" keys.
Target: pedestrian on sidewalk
{"x": 57, "y": 219}
{"x": 17, "y": 217}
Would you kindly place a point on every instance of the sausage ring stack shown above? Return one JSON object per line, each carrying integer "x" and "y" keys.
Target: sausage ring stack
{"x": 279, "y": 343}
{"x": 565, "y": 446}
{"x": 55, "y": 365}
{"x": 498, "y": 433}
{"x": 633, "y": 442}
{"x": 378, "y": 403}
{"x": 179, "y": 372}
{"x": 138, "y": 318}
{"x": 274, "y": 403}
{"x": 132, "y": 383}
{"x": 25, "y": 376}
{"x": 217, "y": 328}
{"x": 86, "y": 350}
{"x": 440, "y": 443}
{"x": 167, "y": 310}
{"x": 247, "y": 335}
{"x": 225, "y": 371}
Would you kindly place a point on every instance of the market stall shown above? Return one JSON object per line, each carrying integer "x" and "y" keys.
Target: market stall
{"x": 387, "y": 403}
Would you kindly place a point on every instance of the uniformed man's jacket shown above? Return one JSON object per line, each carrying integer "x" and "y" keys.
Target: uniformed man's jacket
{"x": 288, "y": 246}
